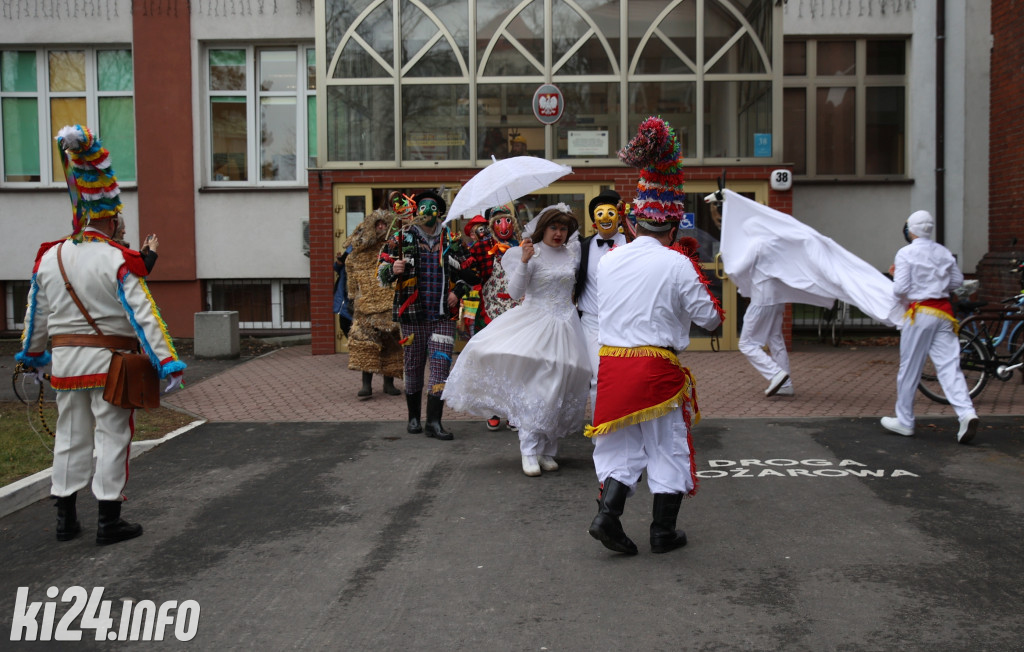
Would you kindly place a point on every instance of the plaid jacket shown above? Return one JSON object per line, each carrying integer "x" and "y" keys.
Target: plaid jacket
{"x": 480, "y": 260}
{"x": 410, "y": 244}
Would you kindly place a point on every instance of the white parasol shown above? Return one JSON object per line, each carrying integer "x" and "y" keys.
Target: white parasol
{"x": 503, "y": 182}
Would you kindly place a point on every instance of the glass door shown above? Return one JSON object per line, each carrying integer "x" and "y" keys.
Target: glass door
{"x": 705, "y": 224}
{"x": 351, "y": 204}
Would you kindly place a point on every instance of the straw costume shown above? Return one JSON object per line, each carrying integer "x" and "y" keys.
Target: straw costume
{"x": 648, "y": 295}
{"x": 109, "y": 281}
{"x": 373, "y": 339}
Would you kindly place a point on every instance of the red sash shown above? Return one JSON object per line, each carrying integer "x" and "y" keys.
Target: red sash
{"x": 639, "y": 384}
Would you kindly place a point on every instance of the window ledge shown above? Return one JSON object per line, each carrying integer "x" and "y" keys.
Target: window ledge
{"x": 215, "y": 189}
{"x": 851, "y": 181}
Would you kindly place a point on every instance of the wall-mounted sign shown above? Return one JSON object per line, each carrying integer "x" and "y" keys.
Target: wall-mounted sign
{"x": 588, "y": 143}
{"x": 762, "y": 145}
{"x": 548, "y": 104}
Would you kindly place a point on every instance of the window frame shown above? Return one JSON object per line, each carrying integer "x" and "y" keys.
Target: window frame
{"x": 253, "y": 94}
{"x": 277, "y": 301}
{"x": 43, "y": 96}
{"x": 624, "y": 74}
{"x": 861, "y": 82}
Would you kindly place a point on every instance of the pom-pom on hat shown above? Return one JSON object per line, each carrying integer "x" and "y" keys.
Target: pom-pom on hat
{"x": 656, "y": 150}
{"x": 95, "y": 194}
{"x": 606, "y": 197}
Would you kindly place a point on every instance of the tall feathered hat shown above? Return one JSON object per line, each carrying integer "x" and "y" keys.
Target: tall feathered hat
{"x": 656, "y": 150}
{"x": 92, "y": 184}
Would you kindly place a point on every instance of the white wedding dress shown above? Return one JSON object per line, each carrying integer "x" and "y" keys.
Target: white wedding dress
{"x": 530, "y": 365}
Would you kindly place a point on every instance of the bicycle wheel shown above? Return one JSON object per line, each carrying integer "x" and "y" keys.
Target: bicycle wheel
{"x": 973, "y": 360}
{"x": 839, "y": 322}
{"x": 825, "y": 323}
{"x": 1016, "y": 339}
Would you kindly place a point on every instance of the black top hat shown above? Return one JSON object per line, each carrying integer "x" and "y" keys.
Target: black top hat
{"x": 606, "y": 197}
{"x": 442, "y": 207}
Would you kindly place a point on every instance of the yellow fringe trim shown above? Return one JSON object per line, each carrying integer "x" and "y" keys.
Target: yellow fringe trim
{"x": 640, "y": 352}
{"x": 934, "y": 312}
{"x": 407, "y": 282}
{"x": 437, "y": 389}
{"x": 687, "y": 395}
{"x": 159, "y": 319}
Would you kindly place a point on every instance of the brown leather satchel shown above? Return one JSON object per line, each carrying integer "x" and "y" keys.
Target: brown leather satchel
{"x": 132, "y": 382}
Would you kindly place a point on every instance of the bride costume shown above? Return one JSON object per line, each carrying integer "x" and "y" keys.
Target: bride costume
{"x": 530, "y": 365}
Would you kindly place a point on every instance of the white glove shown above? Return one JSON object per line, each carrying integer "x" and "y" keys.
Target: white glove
{"x": 35, "y": 374}
{"x": 174, "y": 381}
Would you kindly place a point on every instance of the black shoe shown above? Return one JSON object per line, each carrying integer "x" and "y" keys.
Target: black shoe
{"x": 412, "y": 401}
{"x": 664, "y": 535}
{"x": 111, "y": 528}
{"x": 366, "y": 391}
{"x": 68, "y": 526}
{"x": 389, "y": 387}
{"x": 606, "y": 526}
{"x": 433, "y": 428}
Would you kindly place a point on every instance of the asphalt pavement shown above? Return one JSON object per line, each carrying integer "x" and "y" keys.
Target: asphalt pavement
{"x": 809, "y": 532}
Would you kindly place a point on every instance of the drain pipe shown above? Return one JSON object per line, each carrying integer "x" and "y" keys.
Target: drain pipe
{"x": 940, "y": 121}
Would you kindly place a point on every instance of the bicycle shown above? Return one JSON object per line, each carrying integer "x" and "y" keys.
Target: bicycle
{"x": 832, "y": 322}
{"x": 981, "y": 335}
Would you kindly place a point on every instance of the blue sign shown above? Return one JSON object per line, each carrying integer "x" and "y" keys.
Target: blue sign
{"x": 688, "y": 222}
{"x": 763, "y": 145}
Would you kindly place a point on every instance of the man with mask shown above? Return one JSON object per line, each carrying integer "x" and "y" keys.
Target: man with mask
{"x": 89, "y": 294}
{"x": 923, "y": 275}
{"x": 424, "y": 262}
{"x": 604, "y": 215}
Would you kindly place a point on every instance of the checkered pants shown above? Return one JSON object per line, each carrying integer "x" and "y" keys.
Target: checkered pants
{"x": 433, "y": 340}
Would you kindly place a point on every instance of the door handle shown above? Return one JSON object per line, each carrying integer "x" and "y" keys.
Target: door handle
{"x": 719, "y": 267}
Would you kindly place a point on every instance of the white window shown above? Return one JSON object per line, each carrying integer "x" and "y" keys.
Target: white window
{"x": 845, "y": 107}
{"x": 17, "y": 301}
{"x": 262, "y": 303}
{"x": 261, "y": 114}
{"x": 42, "y": 90}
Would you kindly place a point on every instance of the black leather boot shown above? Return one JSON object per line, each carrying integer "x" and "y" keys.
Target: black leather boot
{"x": 366, "y": 389}
{"x": 389, "y": 386}
{"x": 664, "y": 535}
{"x": 413, "y": 402}
{"x": 435, "y": 407}
{"x": 111, "y": 528}
{"x": 68, "y": 526}
{"x": 606, "y": 526}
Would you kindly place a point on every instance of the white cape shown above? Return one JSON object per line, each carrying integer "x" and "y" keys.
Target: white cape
{"x": 779, "y": 259}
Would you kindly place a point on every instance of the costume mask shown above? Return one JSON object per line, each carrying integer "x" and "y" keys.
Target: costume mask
{"x": 606, "y": 220}
{"x": 504, "y": 227}
{"x": 428, "y": 211}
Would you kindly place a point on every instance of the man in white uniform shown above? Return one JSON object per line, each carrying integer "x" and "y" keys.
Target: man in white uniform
{"x": 648, "y": 295}
{"x": 762, "y": 327}
{"x": 604, "y": 213}
{"x": 108, "y": 279}
{"x": 924, "y": 274}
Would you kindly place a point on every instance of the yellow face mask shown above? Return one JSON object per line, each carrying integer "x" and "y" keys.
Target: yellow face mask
{"x": 606, "y": 220}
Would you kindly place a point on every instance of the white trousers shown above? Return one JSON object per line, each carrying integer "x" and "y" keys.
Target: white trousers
{"x": 537, "y": 443}
{"x": 660, "y": 445}
{"x": 930, "y": 337}
{"x": 762, "y": 325}
{"x": 85, "y": 422}
{"x": 589, "y": 323}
